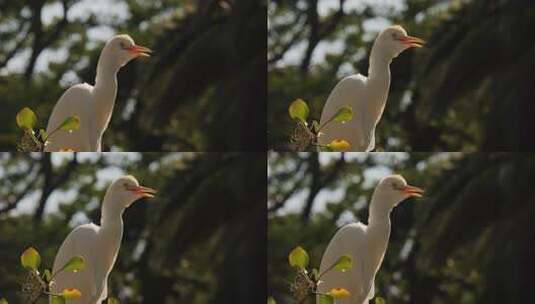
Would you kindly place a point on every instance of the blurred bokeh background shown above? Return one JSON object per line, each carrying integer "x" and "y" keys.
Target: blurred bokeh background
{"x": 469, "y": 89}
{"x": 202, "y": 90}
{"x": 200, "y": 240}
{"x": 469, "y": 240}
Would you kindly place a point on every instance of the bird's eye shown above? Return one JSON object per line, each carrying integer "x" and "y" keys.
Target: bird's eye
{"x": 123, "y": 46}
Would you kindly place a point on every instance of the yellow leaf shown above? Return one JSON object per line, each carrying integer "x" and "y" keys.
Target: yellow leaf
{"x": 339, "y": 293}
{"x": 339, "y": 145}
{"x": 71, "y": 293}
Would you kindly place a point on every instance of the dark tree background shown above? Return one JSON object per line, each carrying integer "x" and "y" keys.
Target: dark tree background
{"x": 469, "y": 89}
{"x": 201, "y": 240}
{"x": 203, "y": 89}
{"x": 469, "y": 240}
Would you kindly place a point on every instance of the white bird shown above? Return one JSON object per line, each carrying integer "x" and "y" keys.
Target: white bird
{"x": 99, "y": 246}
{"x": 366, "y": 95}
{"x": 92, "y": 104}
{"x": 365, "y": 244}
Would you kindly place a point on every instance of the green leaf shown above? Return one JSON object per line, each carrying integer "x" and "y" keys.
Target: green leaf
{"x": 315, "y": 126}
{"x": 270, "y": 300}
{"x": 30, "y": 259}
{"x": 47, "y": 276}
{"x": 343, "y": 263}
{"x": 379, "y": 300}
{"x": 326, "y": 299}
{"x": 26, "y": 119}
{"x": 298, "y": 258}
{"x": 57, "y": 300}
{"x": 343, "y": 115}
{"x": 299, "y": 110}
{"x": 71, "y": 123}
{"x": 3, "y": 301}
{"x": 315, "y": 275}
{"x": 75, "y": 264}
{"x": 43, "y": 135}
{"x": 112, "y": 300}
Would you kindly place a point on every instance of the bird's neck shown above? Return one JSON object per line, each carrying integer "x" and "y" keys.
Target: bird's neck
{"x": 111, "y": 219}
{"x": 378, "y": 231}
{"x": 379, "y": 69}
{"x": 379, "y": 217}
{"x": 104, "y": 93}
{"x": 379, "y": 81}
{"x": 111, "y": 234}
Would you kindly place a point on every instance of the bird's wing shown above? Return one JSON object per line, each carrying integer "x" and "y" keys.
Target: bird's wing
{"x": 75, "y": 101}
{"x": 81, "y": 241}
{"x": 350, "y": 239}
{"x": 350, "y": 91}
{"x": 371, "y": 144}
{"x": 104, "y": 293}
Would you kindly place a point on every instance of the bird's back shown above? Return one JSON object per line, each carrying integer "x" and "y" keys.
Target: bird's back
{"x": 81, "y": 241}
{"x": 350, "y": 239}
{"x": 351, "y": 91}
{"x": 75, "y": 101}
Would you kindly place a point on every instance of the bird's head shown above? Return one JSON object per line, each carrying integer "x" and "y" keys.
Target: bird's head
{"x": 394, "y": 39}
{"x": 126, "y": 189}
{"x": 121, "y": 49}
{"x": 393, "y": 189}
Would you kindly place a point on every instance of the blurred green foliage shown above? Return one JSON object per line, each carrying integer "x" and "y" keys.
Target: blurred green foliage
{"x": 201, "y": 240}
{"x": 305, "y": 284}
{"x": 37, "y": 284}
{"x": 200, "y": 91}
{"x": 305, "y": 135}
{"x": 35, "y": 139}
{"x": 467, "y": 241}
{"x": 469, "y": 89}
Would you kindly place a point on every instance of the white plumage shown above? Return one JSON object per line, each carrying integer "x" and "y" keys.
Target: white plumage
{"x": 365, "y": 244}
{"x": 98, "y": 245}
{"x": 93, "y": 104}
{"x": 366, "y": 95}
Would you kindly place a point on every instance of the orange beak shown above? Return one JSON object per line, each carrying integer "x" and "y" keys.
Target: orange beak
{"x": 412, "y": 41}
{"x": 139, "y": 51}
{"x": 413, "y": 191}
{"x": 143, "y": 191}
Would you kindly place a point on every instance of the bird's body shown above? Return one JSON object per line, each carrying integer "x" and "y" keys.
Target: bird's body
{"x": 366, "y": 96}
{"x": 98, "y": 245}
{"x": 366, "y": 244}
{"x": 92, "y": 104}
{"x": 78, "y": 100}
{"x": 81, "y": 241}
{"x": 360, "y": 130}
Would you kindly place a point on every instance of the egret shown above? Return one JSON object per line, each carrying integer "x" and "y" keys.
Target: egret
{"x": 365, "y": 244}
{"x": 366, "y": 95}
{"x": 98, "y": 245}
{"x": 92, "y": 104}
